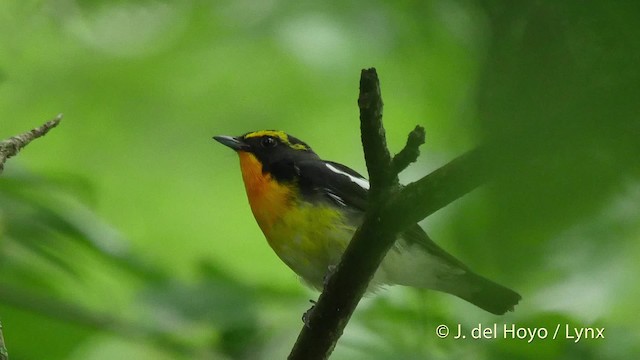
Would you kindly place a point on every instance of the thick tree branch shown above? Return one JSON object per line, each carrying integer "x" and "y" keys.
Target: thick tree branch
{"x": 345, "y": 287}
{"x": 441, "y": 187}
{"x": 13, "y": 145}
{"x": 391, "y": 210}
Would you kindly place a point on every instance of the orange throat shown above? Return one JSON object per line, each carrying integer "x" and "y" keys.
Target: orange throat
{"x": 269, "y": 200}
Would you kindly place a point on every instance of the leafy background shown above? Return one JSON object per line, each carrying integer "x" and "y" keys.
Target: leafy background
{"x": 125, "y": 232}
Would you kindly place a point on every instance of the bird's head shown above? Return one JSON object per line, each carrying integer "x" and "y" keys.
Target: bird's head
{"x": 275, "y": 152}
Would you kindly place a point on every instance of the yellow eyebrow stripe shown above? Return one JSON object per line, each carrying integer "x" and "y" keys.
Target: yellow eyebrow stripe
{"x": 281, "y": 135}
{"x": 274, "y": 133}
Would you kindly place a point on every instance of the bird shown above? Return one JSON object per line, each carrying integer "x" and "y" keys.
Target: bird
{"x": 309, "y": 208}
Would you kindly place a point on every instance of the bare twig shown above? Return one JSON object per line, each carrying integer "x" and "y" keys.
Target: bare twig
{"x": 410, "y": 152}
{"x": 9, "y": 148}
{"x": 4, "y": 355}
{"x": 13, "y": 145}
{"x": 389, "y": 212}
{"x": 377, "y": 155}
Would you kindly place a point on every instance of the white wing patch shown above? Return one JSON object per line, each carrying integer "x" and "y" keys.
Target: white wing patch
{"x": 363, "y": 183}
{"x": 336, "y": 198}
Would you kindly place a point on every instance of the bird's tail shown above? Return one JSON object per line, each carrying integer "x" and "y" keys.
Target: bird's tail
{"x": 484, "y": 293}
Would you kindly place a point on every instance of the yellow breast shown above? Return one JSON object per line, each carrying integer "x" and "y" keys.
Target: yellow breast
{"x": 309, "y": 239}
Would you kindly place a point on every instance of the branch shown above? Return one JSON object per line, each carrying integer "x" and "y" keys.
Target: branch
{"x": 9, "y": 148}
{"x": 376, "y": 154}
{"x": 4, "y": 355}
{"x": 410, "y": 152}
{"x": 13, "y": 145}
{"x": 387, "y": 215}
{"x": 443, "y": 186}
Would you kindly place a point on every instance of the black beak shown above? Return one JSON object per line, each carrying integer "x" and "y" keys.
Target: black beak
{"x": 232, "y": 142}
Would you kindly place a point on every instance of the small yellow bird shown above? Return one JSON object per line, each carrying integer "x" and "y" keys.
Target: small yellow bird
{"x": 309, "y": 208}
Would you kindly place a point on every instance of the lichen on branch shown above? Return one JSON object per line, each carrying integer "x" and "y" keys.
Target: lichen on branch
{"x": 12, "y": 146}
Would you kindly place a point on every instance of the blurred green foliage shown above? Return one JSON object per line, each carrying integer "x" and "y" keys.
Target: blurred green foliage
{"x": 125, "y": 233}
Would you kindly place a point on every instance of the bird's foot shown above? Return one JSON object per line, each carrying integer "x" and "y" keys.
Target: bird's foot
{"x": 330, "y": 270}
{"x": 307, "y": 314}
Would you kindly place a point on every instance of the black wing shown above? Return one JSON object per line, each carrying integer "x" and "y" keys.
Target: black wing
{"x": 333, "y": 182}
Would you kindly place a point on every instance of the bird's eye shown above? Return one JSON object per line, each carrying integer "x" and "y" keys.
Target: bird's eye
{"x": 268, "y": 142}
